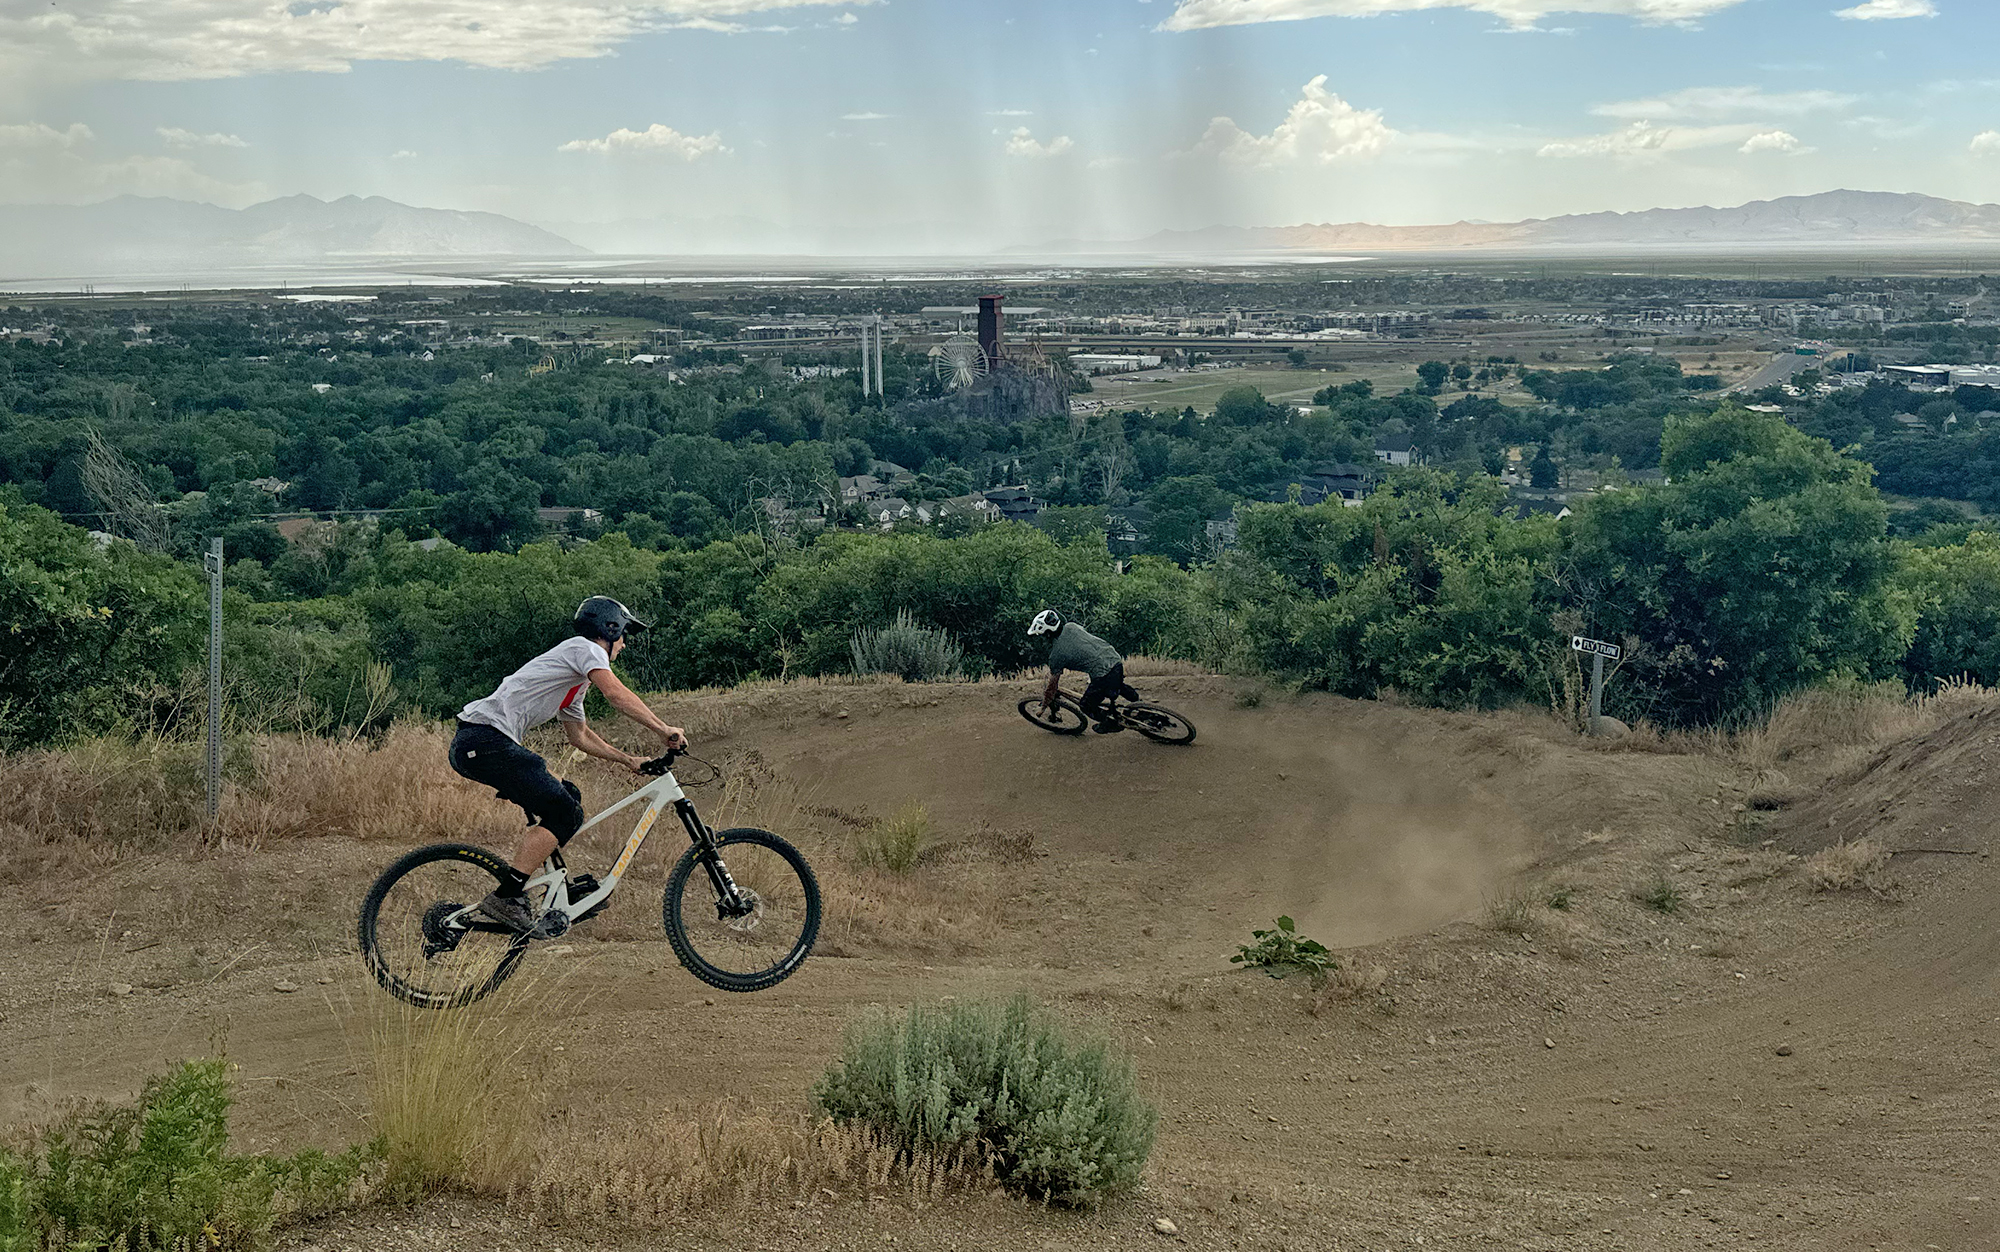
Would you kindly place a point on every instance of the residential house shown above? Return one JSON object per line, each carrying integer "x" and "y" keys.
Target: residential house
{"x": 891, "y": 473}
{"x": 1333, "y": 480}
{"x": 1126, "y": 529}
{"x": 1014, "y": 504}
{"x": 886, "y": 513}
{"x": 1526, "y": 508}
{"x": 1395, "y": 449}
{"x": 861, "y": 488}
{"x": 975, "y": 507}
{"x": 1221, "y": 529}
{"x": 567, "y": 518}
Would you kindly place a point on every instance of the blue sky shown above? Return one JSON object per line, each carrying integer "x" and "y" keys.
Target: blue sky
{"x": 948, "y": 124}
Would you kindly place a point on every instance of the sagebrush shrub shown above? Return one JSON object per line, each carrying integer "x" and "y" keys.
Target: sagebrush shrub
{"x": 158, "y": 1174}
{"x": 1055, "y": 1118}
{"x": 914, "y": 653}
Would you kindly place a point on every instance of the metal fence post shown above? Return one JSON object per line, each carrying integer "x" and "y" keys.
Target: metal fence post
{"x": 1596, "y": 694}
{"x": 213, "y": 562}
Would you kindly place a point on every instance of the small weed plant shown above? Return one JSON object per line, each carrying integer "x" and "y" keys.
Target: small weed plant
{"x": 1283, "y": 950}
{"x": 900, "y": 843}
{"x": 1661, "y": 896}
{"x": 1561, "y": 899}
{"x": 1054, "y": 1118}
{"x": 158, "y": 1174}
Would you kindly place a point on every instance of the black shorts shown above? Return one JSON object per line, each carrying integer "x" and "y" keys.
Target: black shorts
{"x": 486, "y": 756}
{"x": 1107, "y": 685}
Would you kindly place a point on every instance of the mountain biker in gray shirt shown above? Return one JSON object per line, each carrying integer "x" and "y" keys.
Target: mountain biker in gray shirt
{"x": 1076, "y": 648}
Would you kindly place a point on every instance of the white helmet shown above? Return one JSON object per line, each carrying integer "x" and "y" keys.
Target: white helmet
{"x": 1046, "y": 622}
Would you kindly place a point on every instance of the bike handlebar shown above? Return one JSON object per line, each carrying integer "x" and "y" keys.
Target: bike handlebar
{"x": 661, "y": 764}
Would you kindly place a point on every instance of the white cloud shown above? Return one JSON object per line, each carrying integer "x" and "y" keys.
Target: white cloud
{"x": 1010, "y": 113}
{"x": 61, "y": 176}
{"x": 1773, "y": 141}
{"x": 656, "y": 138}
{"x": 1642, "y": 140}
{"x": 1201, "y": 14}
{"x": 38, "y": 135}
{"x": 1887, "y": 10}
{"x": 183, "y": 39}
{"x": 1721, "y": 102}
{"x": 1022, "y": 143}
{"x": 845, "y": 19}
{"x": 1985, "y": 142}
{"x": 1320, "y": 126}
{"x": 178, "y": 138}
{"x": 866, "y": 117}
{"x": 402, "y": 154}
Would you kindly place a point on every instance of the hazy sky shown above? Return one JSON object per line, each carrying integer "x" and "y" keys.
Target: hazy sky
{"x": 1002, "y": 121}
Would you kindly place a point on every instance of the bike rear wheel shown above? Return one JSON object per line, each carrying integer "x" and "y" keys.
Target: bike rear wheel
{"x": 1064, "y": 717}
{"x": 417, "y": 938}
{"x": 761, "y": 946}
{"x": 1161, "y": 725}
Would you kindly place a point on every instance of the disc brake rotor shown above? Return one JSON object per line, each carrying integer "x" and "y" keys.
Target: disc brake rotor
{"x": 751, "y": 916}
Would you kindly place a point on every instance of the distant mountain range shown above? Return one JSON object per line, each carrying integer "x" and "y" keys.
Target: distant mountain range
{"x": 1830, "y": 218}
{"x": 152, "y": 235}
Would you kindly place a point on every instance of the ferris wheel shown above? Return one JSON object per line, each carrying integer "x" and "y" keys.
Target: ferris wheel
{"x": 959, "y": 362}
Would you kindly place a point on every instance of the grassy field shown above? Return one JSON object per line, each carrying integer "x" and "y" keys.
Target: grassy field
{"x": 1155, "y": 389}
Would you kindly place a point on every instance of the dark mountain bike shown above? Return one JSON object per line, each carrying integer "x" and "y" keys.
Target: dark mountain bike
{"x": 741, "y": 907}
{"x": 1066, "y": 717}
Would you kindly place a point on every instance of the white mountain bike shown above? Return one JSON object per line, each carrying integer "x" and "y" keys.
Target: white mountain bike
{"x": 741, "y": 907}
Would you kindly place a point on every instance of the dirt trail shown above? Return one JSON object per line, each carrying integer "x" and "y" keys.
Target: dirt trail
{"x": 1601, "y": 1077}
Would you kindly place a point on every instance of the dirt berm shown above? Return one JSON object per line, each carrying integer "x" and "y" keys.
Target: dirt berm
{"x": 1589, "y": 997}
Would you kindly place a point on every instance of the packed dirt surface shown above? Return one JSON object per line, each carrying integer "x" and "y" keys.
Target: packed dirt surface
{"x": 1518, "y": 1051}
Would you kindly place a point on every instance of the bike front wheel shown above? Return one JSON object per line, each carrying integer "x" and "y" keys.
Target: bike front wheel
{"x": 1064, "y": 717}
{"x": 1161, "y": 725}
{"x": 419, "y": 937}
{"x": 764, "y": 940}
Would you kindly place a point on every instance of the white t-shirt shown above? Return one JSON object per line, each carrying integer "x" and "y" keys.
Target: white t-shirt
{"x": 551, "y": 685}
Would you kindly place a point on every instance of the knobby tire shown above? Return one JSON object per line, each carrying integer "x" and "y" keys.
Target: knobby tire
{"x": 690, "y": 863}
{"x": 1056, "y": 719}
{"x": 367, "y": 929}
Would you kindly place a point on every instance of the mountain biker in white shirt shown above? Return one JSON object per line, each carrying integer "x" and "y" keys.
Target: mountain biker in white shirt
{"x": 487, "y": 748}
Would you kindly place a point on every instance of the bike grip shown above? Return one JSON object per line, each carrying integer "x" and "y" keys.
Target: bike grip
{"x": 661, "y": 764}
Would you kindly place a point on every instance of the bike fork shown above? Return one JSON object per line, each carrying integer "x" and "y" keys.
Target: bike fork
{"x": 728, "y": 896}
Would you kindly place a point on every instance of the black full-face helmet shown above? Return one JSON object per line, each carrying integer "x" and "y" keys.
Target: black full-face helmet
{"x": 601, "y": 617}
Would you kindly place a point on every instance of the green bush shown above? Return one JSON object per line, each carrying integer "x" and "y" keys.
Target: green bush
{"x": 917, "y": 654}
{"x": 158, "y": 1174}
{"x": 1057, "y": 1120}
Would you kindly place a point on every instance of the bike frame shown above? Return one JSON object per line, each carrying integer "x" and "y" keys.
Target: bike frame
{"x": 663, "y": 792}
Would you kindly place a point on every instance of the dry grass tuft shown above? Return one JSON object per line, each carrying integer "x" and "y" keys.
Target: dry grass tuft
{"x": 648, "y": 1169}
{"x": 898, "y": 843}
{"x": 1856, "y": 866}
{"x": 87, "y": 807}
{"x": 450, "y": 1091}
{"x": 1839, "y": 723}
{"x": 1351, "y": 980}
{"x": 1512, "y": 915}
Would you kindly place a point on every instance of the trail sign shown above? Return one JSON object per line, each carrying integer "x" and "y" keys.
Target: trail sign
{"x": 1596, "y": 650}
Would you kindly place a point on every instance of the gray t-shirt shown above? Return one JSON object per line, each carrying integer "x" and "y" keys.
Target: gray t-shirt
{"x": 551, "y": 685}
{"x": 1078, "y": 649}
